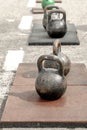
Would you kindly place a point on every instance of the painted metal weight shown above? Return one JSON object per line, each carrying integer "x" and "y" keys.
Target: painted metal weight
{"x": 50, "y": 83}
{"x": 45, "y": 3}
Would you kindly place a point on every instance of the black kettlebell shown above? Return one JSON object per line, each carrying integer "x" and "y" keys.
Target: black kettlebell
{"x": 56, "y": 24}
{"x": 64, "y": 58}
{"x": 50, "y": 83}
{"x": 45, "y": 15}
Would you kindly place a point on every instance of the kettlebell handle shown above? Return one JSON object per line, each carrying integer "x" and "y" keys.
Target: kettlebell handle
{"x": 49, "y": 7}
{"x": 56, "y": 47}
{"x": 40, "y": 64}
{"x": 60, "y": 10}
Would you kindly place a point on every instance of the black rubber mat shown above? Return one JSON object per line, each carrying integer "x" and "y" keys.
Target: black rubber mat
{"x": 39, "y": 36}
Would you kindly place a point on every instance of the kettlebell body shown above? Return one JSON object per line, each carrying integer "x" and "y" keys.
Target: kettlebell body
{"x": 45, "y": 3}
{"x": 50, "y": 83}
{"x": 46, "y": 12}
{"x": 64, "y": 58}
{"x": 56, "y": 27}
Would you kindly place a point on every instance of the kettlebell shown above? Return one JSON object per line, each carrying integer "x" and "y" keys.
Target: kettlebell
{"x": 64, "y": 58}
{"x": 56, "y": 24}
{"x": 45, "y": 15}
{"x": 50, "y": 83}
{"x": 45, "y": 3}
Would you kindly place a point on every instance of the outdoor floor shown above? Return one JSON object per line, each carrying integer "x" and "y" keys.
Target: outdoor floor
{"x": 14, "y": 38}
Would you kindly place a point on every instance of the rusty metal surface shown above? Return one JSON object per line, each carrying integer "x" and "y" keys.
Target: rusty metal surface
{"x": 24, "y": 105}
{"x": 28, "y": 72}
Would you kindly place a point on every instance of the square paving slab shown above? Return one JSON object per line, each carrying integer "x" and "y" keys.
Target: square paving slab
{"x": 24, "y": 107}
{"x": 39, "y": 35}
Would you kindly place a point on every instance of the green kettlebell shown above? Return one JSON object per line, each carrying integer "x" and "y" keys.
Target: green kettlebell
{"x": 47, "y": 2}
